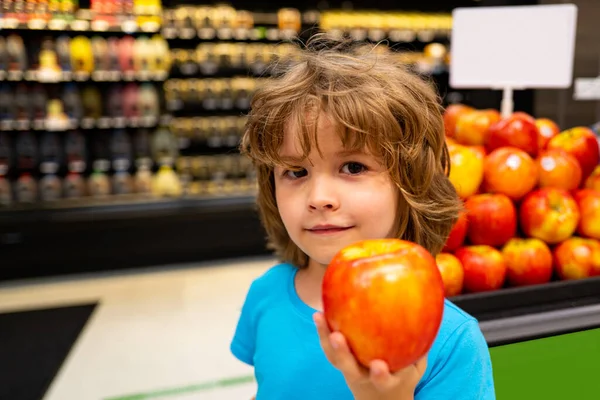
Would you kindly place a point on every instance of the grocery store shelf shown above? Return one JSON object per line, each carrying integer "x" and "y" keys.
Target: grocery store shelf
{"x": 95, "y": 76}
{"x": 59, "y": 125}
{"x": 79, "y": 25}
{"x": 511, "y": 302}
{"x": 133, "y": 208}
{"x": 529, "y": 327}
{"x": 58, "y": 241}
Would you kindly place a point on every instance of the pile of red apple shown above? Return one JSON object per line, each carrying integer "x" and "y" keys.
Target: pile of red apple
{"x": 532, "y": 201}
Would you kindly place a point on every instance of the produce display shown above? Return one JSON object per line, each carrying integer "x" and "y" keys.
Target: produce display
{"x": 532, "y": 201}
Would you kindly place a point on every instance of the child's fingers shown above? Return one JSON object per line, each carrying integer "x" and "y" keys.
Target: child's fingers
{"x": 380, "y": 376}
{"x": 421, "y": 365}
{"x": 323, "y": 331}
{"x": 346, "y": 362}
{"x": 336, "y": 349}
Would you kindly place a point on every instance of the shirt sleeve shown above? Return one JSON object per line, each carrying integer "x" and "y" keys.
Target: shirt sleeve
{"x": 243, "y": 342}
{"x": 463, "y": 370}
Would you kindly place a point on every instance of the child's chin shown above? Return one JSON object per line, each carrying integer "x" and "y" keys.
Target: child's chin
{"x": 322, "y": 259}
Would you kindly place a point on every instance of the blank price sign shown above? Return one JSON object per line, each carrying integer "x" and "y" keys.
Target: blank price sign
{"x": 513, "y": 47}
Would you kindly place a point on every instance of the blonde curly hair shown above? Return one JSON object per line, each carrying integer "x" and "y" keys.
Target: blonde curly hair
{"x": 377, "y": 104}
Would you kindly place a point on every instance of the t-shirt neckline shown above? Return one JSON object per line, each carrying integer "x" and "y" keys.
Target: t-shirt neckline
{"x": 301, "y": 307}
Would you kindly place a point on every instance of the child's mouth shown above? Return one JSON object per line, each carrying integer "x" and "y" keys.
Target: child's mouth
{"x": 328, "y": 230}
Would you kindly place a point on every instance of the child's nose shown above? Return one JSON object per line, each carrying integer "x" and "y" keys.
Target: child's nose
{"x": 323, "y": 195}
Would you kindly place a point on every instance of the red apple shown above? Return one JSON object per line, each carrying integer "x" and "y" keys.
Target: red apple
{"x": 509, "y": 171}
{"x": 492, "y": 219}
{"x": 549, "y": 214}
{"x": 588, "y": 201}
{"x": 484, "y": 268}
{"x": 472, "y": 127}
{"x": 558, "y": 169}
{"x": 528, "y": 262}
{"x": 577, "y": 258}
{"x": 518, "y": 130}
{"x": 593, "y": 181}
{"x": 452, "y": 273}
{"x": 451, "y": 114}
{"x": 367, "y": 283}
{"x": 582, "y": 144}
{"x": 547, "y": 129}
{"x": 457, "y": 234}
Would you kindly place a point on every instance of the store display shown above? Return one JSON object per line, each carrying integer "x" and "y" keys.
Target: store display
{"x": 47, "y": 109}
{"x": 95, "y": 58}
{"x": 527, "y": 205}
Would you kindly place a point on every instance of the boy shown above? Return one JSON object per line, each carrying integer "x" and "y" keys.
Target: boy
{"x": 348, "y": 146}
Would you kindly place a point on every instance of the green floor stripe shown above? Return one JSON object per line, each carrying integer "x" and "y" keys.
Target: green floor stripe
{"x": 228, "y": 382}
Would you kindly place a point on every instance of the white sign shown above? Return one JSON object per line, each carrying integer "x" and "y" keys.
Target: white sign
{"x": 513, "y": 47}
{"x": 587, "y": 89}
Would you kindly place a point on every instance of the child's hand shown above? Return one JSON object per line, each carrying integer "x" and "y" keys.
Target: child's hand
{"x": 374, "y": 383}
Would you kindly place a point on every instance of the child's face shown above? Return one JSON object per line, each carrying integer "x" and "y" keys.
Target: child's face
{"x": 329, "y": 202}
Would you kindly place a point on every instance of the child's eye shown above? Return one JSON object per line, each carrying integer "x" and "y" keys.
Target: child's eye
{"x": 295, "y": 173}
{"x": 353, "y": 168}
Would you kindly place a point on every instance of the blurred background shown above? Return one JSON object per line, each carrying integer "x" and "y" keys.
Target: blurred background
{"x": 128, "y": 231}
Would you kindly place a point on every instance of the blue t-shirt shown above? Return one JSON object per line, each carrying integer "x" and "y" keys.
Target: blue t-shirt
{"x": 276, "y": 334}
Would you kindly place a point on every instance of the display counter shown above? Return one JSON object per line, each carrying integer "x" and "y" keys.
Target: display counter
{"x": 58, "y": 241}
{"x": 548, "y": 355}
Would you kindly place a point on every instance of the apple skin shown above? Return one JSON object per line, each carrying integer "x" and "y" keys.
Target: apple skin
{"x": 582, "y": 144}
{"x": 577, "y": 258}
{"x": 368, "y": 282}
{"x": 480, "y": 151}
{"x": 528, "y": 262}
{"x": 452, "y": 273}
{"x": 558, "y": 169}
{"x": 451, "y": 115}
{"x": 518, "y": 130}
{"x": 588, "y": 201}
{"x": 484, "y": 266}
{"x": 547, "y": 129}
{"x": 472, "y": 127}
{"x": 549, "y": 214}
{"x": 510, "y": 171}
{"x": 457, "y": 235}
{"x": 492, "y": 219}
{"x": 466, "y": 170}
{"x": 593, "y": 181}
